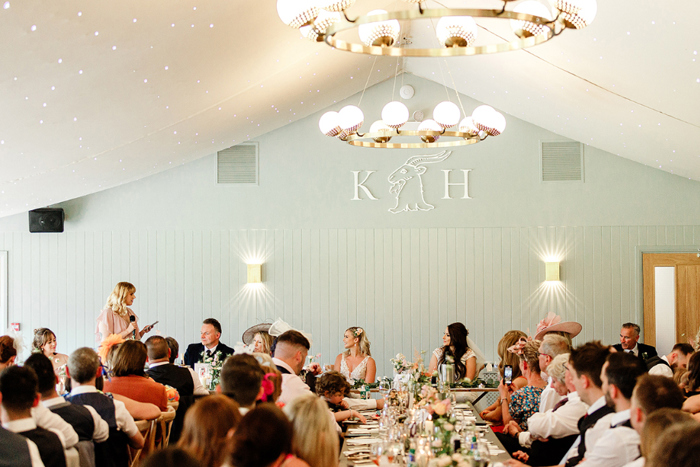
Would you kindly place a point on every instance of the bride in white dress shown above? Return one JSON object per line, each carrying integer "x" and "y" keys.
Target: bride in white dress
{"x": 356, "y": 361}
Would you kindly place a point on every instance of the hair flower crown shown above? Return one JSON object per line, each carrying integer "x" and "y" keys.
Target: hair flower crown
{"x": 358, "y": 332}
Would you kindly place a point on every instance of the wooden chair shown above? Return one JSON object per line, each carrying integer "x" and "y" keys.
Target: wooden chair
{"x": 165, "y": 422}
{"x": 148, "y": 431}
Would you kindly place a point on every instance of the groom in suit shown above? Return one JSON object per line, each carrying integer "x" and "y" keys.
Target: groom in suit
{"x": 629, "y": 335}
{"x": 210, "y": 334}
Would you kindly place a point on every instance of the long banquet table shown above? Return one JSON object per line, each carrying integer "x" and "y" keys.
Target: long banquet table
{"x": 499, "y": 454}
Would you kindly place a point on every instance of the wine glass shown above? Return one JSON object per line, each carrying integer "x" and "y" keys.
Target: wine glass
{"x": 376, "y": 451}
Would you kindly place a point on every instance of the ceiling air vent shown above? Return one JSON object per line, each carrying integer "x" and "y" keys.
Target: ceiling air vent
{"x": 238, "y": 164}
{"x": 561, "y": 161}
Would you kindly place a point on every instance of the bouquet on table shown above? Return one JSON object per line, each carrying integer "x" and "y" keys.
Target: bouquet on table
{"x": 212, "y": 363}
{"x": 442, "y": 417}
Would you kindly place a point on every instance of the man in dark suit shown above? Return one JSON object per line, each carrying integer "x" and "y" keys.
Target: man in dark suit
{"x": 629, "y": 337}
{"x": 183, "y": 379}
{"x": 210, "y": 346}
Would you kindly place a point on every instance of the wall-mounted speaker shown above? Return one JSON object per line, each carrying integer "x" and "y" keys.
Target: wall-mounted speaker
{"x": 46, "y": 220}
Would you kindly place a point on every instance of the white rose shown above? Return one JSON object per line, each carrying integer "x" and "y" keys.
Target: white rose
{"x": 457, "y": 457}
{"x": 444, "y": 461}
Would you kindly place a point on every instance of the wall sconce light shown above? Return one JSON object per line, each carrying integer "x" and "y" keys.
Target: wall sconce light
{"x": 254, "y": 273}
{"x": 551, "y": 271}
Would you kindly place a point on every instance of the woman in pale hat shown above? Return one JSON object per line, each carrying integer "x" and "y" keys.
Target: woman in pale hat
{"x": 259, "y": 338}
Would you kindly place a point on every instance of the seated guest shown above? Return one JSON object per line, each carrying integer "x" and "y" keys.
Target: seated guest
{"x": 86, "y": 422}
{"x": 551, "y": 346}
{"x": 83, "y": 369}
{"x": 241, "y": 379}
{"x": 692, "y": 389}
{"x": 356, "y": 361}
{"x": 210, "y": 348}
{"x": 551, "y": 434}
{"x": 677, "y": 446}
{"x": 183, "y": 379}
{"x": 272, "y": 379}
{"x": 127, "y": 365}
{"x": 45, "y": 343}
{"x": 18, "y": 386}
{"x": 18, "y": 451}
{"x": 332, "y": 387}
{"x": 170, "y": 457}
{"x": 456, "y": 348}
{"x": 8, "y": 353}
{"x": 521, "y": 404}
{"x": 552, "y": 324}
{"x": 493, "y": 413}
{"x": 174, "y": 349}
{"x": 259, "y": 338}
{"x": 290, "y": 356}
{"x": 629, "y": 342}
{"x": 654, "y": 395}
{"x": 314, "y": 440}
{"x": 209, "y": 425}
{"x": 263, "y": 438}
{"x": 667, "y": 364}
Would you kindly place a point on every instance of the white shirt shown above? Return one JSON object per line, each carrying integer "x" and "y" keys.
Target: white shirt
{"x": 199, "y": 389}
{"x": 615, "y": 447}
{"x": 563, "y": 422}
{"x": 50, "y": 421}
{"x": 661, "y": 369}
{"x": 26, "y": 424}
{"x": 549, "y": 397}
{"x": 101, "y": 432}
{"x": 593, "y": 433}
{"x": 125, "y": 422}
{"x": 292, "y": 385}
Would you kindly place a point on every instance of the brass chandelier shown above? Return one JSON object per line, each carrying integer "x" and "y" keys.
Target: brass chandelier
{"x": 378, "y": 31}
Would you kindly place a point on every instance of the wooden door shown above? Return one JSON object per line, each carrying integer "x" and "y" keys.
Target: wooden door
{"x": 687, "y": 274}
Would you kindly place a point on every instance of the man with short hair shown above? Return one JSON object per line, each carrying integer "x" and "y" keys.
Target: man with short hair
{"x": 667, "y": 364}
{"x": 289, "y": 357}
{"x": 18, "y": 386}
{"x": 174, "y": 349}
{"x": 84, "y": 419}
{"x": 651, "y": 393}
{"x": 184, "y": 380}
{"x": 210, "y": 347}
{"x": 83, "y": 369}
{"x": 551, "y": 346}
{"x": 241, "y": 380}
{"x": 629, "y": 342}
{"x": 619, "y": 443}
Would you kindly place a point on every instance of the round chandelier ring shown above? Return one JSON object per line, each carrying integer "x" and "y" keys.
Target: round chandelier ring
{"x": 554, "y": 28}
{"x": 463, "y": 139}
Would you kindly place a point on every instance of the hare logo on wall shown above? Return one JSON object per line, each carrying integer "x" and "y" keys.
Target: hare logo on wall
{"x": 407, "y": 183}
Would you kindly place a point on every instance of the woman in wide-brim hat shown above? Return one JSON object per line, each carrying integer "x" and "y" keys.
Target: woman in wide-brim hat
{"x": 552, "y": 324}
{"x": 260, "y": 338}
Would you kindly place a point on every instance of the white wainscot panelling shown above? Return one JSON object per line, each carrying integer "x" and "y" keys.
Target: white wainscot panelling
{"x": 404, "y": 286}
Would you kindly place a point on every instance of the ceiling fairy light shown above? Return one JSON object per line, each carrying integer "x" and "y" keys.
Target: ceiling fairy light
{"x": 377, "y": 32}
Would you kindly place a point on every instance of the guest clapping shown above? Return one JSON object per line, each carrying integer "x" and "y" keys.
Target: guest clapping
{"x": 455, "y": 347}
{"x": 356, "y": 361}
{"x": 116, "y": 317}
{"x": 45, "y": 343}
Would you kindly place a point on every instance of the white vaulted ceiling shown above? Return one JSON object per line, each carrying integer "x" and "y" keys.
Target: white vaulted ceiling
{"x": 95, "y": 94}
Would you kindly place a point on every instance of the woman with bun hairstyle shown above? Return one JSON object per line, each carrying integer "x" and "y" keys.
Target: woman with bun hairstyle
{"x": 116, "y": 317}
{"x": 8, "y": 353}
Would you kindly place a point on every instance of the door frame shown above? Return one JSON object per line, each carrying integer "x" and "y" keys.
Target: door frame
{"x": 645, "y": 322}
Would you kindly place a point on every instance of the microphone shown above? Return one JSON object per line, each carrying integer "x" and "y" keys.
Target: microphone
{"x": 132, "y": 318}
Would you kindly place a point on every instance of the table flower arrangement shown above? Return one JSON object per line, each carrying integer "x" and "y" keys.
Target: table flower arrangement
{"x": 215, "y": 362}
{"x": 446, "y": 460}
{"x": 443, "y": 419}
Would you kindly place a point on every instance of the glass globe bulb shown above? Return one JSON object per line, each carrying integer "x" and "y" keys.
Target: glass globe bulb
{"x": 525, "y": 29}
{"x": 456, "y": 31}
{"x": 499, "y": 124}
{"x": 379, "y": 125}
{"x": 395, "y": 114}
{"x": 484, "y": 117}
{"x": 446, "y": 114}
{"x": 429, "y": 125}
{"x": 380, "y": 33}
{"x": 297, "y": 13}
{"x": 329, "y": 124}
{"x": 351, "y": 118}
{"x": 467, "y": 126}
{"x": 577, "y": 14}
{"x": 335, "y": 5}
{"x": 308, "y": 32}
{"x": 325, "y": 19}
